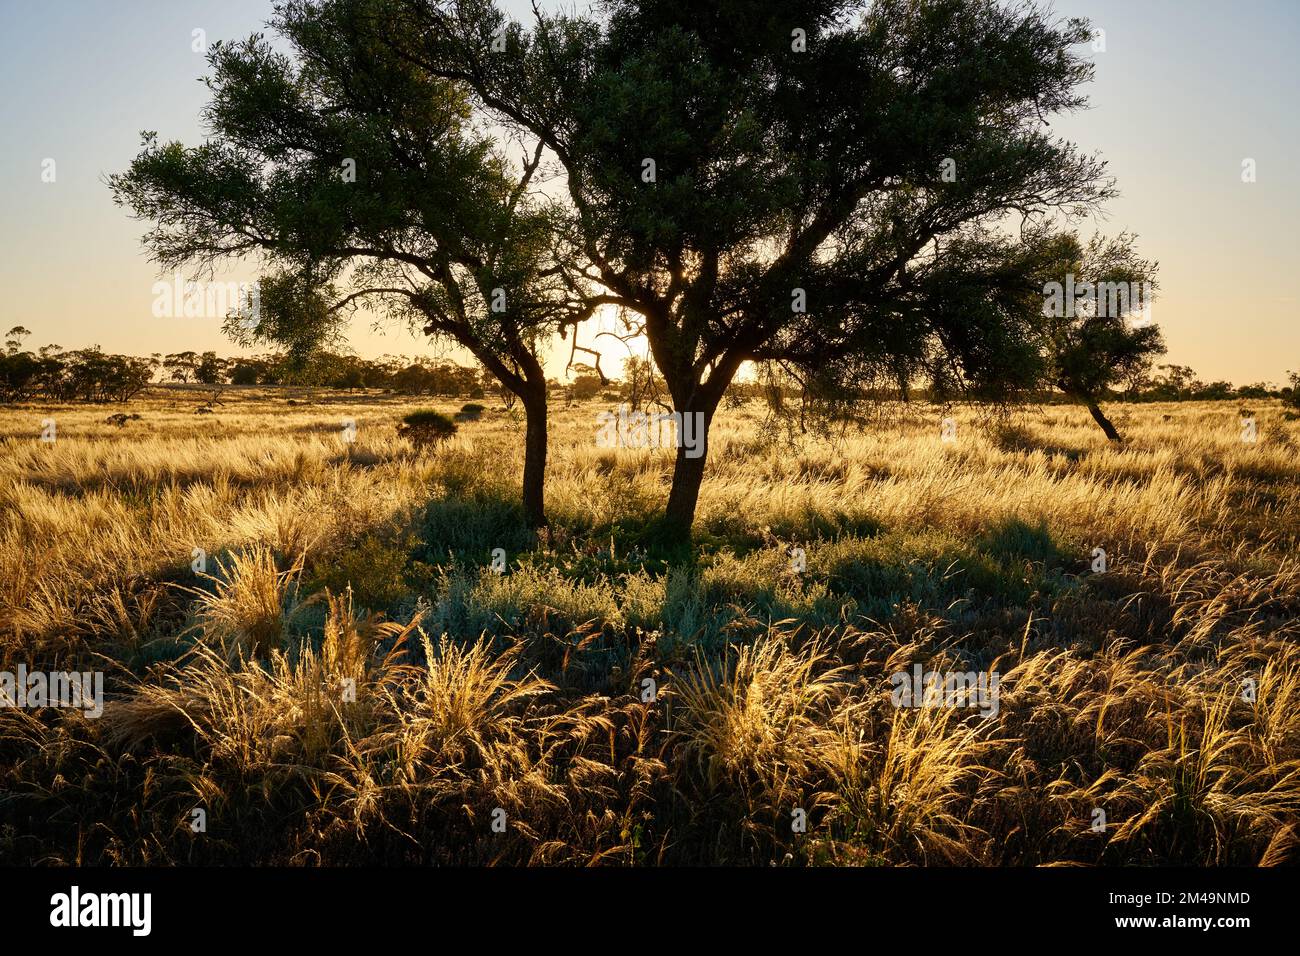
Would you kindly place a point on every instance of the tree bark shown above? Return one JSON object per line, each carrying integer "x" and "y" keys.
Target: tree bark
{"x": 701, "y": 398}
{"x": 688, "y": 473}
{"x": 528, "y": 381}
{"x": 534, "y": 492}
{"x": 1100, "y": 418}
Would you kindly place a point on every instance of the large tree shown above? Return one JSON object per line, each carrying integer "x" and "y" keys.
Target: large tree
{"x": 731, "y": 164}
{"x": 357, "y": 180}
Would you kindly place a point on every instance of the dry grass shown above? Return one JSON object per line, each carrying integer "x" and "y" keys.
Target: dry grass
{"x": 347, "y": 680}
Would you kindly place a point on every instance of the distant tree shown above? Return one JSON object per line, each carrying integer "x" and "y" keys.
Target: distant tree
{"x": 14, "y": 339}
{"x": 1256, "y": 390}
{"x": 1137, "y": 382}
{"x": 586, "y": 384}
{"x": 1174, "y": 383}
{"x": 126, "y": 376}
{"x": 1291, "y": 393}
{"x": 246, "y": 372}
{"x": 643, "y": 386}
{"x": 1092, "y": 342}
{"x": 350, "y": 374}
{"x": 1215, "y": 392}
{"x": 19, "y": 376}
{"x": 51, "y": 372}
{"x": 211, "y": 370}
{"x": 182, "y": 366}
{"x": 415, "y": 379}
{"x": 18, "y": 369}
{"x": 91, "y": 375}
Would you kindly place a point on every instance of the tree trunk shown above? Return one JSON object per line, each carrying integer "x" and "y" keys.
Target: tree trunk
{"x": 527, "y": 379}
{"x": 688, "y": 475}
{"x": 701, "y": 399}
{"x": 535, "y": 456}
{"x": 1100, "y": 418}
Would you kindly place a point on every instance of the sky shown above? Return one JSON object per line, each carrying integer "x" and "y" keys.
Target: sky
{"x": 1185, "y": 92}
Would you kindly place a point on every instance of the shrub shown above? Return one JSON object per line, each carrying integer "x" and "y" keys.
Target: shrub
{"x": 426, "y": 427}
{"x": 429, "y": 418}
{"x": 372, "y": 566}
{"x": 251, "y": 604}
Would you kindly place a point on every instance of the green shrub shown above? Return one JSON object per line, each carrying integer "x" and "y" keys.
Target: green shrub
{"x": 373, "y": 566}
{"x": 426, "y": 427}
{"x": 430, "y": 419}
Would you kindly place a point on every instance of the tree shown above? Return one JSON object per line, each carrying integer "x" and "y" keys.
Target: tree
{"x": 586, "y": 384}
{"x": 753, "y": 175}
{"x": 126, "y": 376}
{"x": 210, "y": 369}
{"x": 181, "y": 366}
{"x": 1091, "y": 338}
{"x": 360, "y": 181}
{"x": 246, "y": 372}
{"x": 1257, "y": 390}
{"x": 18, "y": 369}
{"x": 1175, "y": 383}
{"x": 14, "y": 339}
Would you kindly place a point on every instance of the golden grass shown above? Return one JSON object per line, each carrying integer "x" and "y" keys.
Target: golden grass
{"x": 348, "y": 680}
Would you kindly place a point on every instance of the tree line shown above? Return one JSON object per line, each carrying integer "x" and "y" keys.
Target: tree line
{"x": 93, "y": 375}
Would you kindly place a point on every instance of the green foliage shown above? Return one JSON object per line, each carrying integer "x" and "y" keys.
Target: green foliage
{"x": 431, "y": 420}
{"x": 751, "y": 200}
{"x": 1091, "y": 344}
{"x": 374, "y": 568}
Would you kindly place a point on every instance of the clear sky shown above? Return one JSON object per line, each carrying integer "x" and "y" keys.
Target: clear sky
{"x": 1185, "y": 91}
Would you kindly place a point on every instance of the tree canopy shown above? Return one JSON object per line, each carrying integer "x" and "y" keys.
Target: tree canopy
{"x": 864, "y": 188}
{"x": 357, "y": 179}
{"x": 770, "y": 180}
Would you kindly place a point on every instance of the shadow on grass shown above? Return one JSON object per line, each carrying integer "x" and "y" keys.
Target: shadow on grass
{"x": 1016, "y": 439}
{"x": 1015, "y": 539}
{"x": 471, "y": 527}
{"x": 1003, "y": 566}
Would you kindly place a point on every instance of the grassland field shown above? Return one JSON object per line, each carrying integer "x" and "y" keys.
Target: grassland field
{"x": 347, "y": 679}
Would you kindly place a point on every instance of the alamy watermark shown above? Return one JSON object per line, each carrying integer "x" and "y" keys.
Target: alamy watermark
{"x": 637, "y": 429}
{"x": 133, "y": 911}
{"x": 1101, "y": 299}
{"x": 921, "y": 688}
{"x": 68, "y": 689}
{"x": 193, "y": 299}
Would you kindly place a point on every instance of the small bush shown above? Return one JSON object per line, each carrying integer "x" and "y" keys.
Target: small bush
{"x": 373, "y": 567}
{"x": 431, "y": 419}
{"x": 426, "y": 427}
{"x": 250, "y": 605}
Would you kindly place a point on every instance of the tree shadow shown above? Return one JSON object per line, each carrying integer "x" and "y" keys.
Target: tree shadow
{"x": 1016, "y": 439}
{"x": 470, "y": 528}
{"x": 1017, "y": 540}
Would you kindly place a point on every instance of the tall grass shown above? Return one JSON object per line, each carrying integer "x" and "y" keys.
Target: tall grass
{"x": 349, "y": 677}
